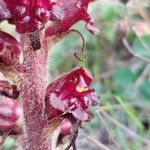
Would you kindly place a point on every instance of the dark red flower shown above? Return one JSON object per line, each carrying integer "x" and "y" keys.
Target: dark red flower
{"x": 30, "y": 15}
{"x": 9, "y": 109}
{"x": 27, "y": 15}
{"x": 10, "y": 49}
{"x": 70, "y": 93}
{"x": 67, "y": 13}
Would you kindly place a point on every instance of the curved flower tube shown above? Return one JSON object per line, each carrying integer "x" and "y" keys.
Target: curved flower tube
{"x": 70, "y": 93}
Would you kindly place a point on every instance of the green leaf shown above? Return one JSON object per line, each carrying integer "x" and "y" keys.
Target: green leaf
{"x": 145, "y": 90}
{"x": 108, "y": 31}
{"x": 124, "y": 76}
{"x": 9, "y": 143}
{"x": 108, "y": 11}
{"x": 141, "y": 47}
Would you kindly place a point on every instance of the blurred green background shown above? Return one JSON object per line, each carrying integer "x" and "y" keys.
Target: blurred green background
{"x": 119, "y": 60}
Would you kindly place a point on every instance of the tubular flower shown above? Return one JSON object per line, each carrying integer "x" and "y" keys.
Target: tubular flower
{"x": 29, "y": 16}
{"x": 66, "y": 13}
{"x": 9, "y": 109}
{"x": 10, "y": 49}
{"x": 70, "y": 93}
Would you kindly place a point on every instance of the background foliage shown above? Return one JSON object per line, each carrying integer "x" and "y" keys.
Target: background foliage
{"x": 119, "y": 60}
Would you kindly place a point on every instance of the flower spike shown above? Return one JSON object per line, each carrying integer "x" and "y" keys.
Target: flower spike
{"x": 29, "y": 16}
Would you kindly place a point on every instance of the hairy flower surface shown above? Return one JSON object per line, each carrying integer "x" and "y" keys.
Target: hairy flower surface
{"x": 70, "y": 93}
{"x": 31, "y": 15}
{"x": 9, "y": 109}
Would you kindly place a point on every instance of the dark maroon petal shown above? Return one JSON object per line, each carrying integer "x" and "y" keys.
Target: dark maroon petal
{"x": 70, "y": 93}
{"x": 67, "y": 13}
{"x": 27, "y": 25}
{"x": 15, "y": 92}
{"x": 10, "y": 49}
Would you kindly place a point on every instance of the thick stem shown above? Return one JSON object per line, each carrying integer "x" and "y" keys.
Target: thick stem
{"x": 33, "y": 91}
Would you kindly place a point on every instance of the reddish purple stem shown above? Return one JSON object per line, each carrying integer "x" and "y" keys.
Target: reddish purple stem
{"x": 33, "y": 91}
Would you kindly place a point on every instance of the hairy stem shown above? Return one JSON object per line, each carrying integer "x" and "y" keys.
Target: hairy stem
{"x": 33, "y": 91}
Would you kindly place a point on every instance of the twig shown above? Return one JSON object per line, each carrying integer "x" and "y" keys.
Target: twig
{"x": 131, "y": 27}
{"x": 74, "y": 146}
{"x": 125, "y": 129}
{"x": 144, "y": 15}
{"x": 104, "y": 75}
{"x": 98, "y": 143}
{"x": 117, "y": 106}
{"x": 109, "y": 133}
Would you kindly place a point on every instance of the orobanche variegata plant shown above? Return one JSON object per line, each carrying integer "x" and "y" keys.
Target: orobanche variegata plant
{"x": 52, "y": 114}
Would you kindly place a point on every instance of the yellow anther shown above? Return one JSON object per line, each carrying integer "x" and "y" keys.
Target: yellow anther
{"x": 81, "y": 89}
